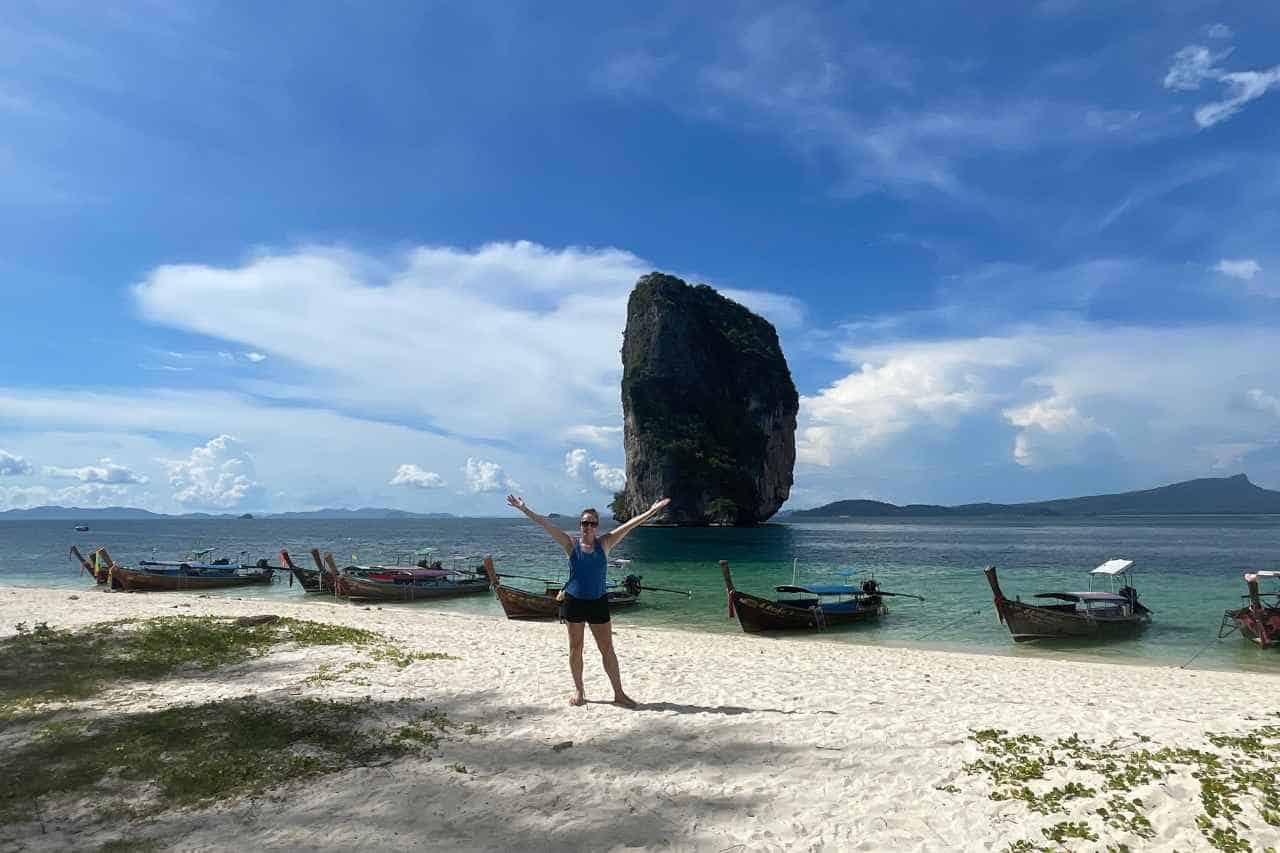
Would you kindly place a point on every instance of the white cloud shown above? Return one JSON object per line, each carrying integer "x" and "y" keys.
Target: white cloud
{"x": 219, "y": 474}
{"x": 895, "y": 390}
{"x": 575, "y": 462}
{"x": 1244, "y": 269}
{"x": 411, "y": 475}
{"x": 1153, "y": 401}
{"x": 486, "y": 313}
{"x": 612, "y": 479}
{"x": 1051, "y": 432}
{"x": 84, "y": 495}
{"x": 1195, "y": 64}
{"x": 1192, "y": 66}
{"x": 1219, "y": 31}
{"x": 255, "y": 357}
{"x": 784, "y": 312}
{"x": 600, "y": 436}
{"x": 1242, "y": 87}
{"x": 13, "y": 466}
{"x": 1263, "y": 402}
{"x": 105, "y": 471}
{"x": 483, "y": 476}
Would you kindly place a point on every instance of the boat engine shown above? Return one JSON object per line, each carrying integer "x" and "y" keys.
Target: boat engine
{"x": 870, "y": 587}
{"x": 631, "y": 583}
{"x": 262, "y": 563}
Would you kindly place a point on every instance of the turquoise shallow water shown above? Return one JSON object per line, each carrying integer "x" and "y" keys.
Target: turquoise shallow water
{"x": 1188, "y": 569}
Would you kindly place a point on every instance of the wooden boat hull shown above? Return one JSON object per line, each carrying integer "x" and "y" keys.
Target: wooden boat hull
{"x": 759, "y": 615}
{"x": 1030, "y": 622}
{"x": 522, "y": 604}
{"x": 1258, "y": 622}
{"x": 375, "y": 590}
{"x": 136, "y": 581}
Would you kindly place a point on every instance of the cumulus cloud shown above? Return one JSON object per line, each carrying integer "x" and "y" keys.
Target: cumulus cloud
{"x": 411, "y": 475}
{"x": 600, "y": 436}
{"x": 1051, "y": 432}
{"x": 575, "y": 462}
{"x": 13, "y": 466}
{"x": 219, "y": 474}
{"x": 892, "y": 392}
{"x": 1244, "y": 269}
{"x": 483, "y": 476}
{"x": 612, "y": 479}
{"x": 1042, "y": 399}
{"x": 1195, "y": 64}
{"x": 83, "y": 495}
{"x": 105, "y": 471}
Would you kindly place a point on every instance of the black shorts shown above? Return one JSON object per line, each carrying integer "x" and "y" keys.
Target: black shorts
{"x": 592, "y": 610}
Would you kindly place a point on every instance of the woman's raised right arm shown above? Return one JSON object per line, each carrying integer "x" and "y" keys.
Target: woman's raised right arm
{"x": 556, "y": 533}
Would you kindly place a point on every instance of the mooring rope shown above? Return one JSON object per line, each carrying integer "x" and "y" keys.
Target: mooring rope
{"x": 1202, "y": 650}
{"x": 949, "y": 624}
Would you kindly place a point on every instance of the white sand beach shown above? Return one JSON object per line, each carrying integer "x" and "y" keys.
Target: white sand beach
{"x": 740, "y": 743}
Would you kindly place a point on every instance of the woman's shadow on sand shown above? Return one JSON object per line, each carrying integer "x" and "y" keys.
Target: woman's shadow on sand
{"x": 726, "y": 710}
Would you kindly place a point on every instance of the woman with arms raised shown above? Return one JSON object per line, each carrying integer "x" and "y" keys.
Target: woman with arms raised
{"x": 585, "y": 600}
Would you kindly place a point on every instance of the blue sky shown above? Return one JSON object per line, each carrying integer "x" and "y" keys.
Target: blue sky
{"x": 284, "y": 256}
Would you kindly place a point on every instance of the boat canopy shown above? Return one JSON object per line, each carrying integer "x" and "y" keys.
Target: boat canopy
{"x": 1112, "y": 567}
{"x": 1083, "y": 596}
{"x": 822, "y": 589}
{"x": 1266, "y": 574}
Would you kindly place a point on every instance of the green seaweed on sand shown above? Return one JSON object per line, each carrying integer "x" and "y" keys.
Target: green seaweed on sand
{"x": 54, "y": 665}
{"x": 193, "y": 754}
{"x": 1239, "y": 785}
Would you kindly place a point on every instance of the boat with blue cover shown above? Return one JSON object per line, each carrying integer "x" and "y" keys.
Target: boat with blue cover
{"x": 808, "y": 607}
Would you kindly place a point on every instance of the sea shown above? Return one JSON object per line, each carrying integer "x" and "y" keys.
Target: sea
{"x": 1187, "y": 570}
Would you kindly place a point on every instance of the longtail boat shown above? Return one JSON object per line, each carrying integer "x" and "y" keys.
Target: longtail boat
{"x": 312, "y": 580}
{"x": 1258, "y": 621}
{"x": 817, "y": 607}
{"x": 402, "y": 583}
{"x": 522, "y": 604}
{"x": 1089, "y": 614}
{"x": 96, "y": 566}
{"x": 179, "y": 578}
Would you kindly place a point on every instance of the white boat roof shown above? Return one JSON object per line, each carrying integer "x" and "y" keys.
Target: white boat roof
{"x": 1112, "y": 567}
{"x": 1265, "y": 574}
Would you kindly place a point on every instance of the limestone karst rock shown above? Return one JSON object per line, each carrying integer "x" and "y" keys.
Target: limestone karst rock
{"x": 709, "y": 407}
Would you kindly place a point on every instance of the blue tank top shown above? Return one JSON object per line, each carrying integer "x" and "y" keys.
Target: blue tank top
{"x": 586, "y": 572}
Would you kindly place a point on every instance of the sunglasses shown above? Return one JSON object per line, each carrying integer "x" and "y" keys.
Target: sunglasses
{"x": 589, "y": 523}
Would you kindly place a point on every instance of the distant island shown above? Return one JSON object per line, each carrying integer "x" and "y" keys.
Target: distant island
{"x": 1207, "y": 496}
{"x": 58, "y": 513}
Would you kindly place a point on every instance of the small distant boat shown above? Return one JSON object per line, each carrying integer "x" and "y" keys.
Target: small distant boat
{"x": 817, "y": 607}
{"x": 522, "y": 604}
{"x": 82, "y": 528}
{"x": 1258, "y": 621}
{"x": 1089, "y": 614}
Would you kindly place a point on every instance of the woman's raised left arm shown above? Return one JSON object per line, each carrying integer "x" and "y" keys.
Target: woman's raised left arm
{"x": 617, "y": 534}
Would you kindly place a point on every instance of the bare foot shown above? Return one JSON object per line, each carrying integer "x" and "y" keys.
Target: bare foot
{"x": 622, "y": 700}
{"x": 577, "y": 699}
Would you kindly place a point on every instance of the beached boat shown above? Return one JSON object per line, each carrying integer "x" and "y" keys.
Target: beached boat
{"x": 1259, "y": 620}
{"x": 402, "y": 583}
{"x": 1086, "y": 615}
{"x": 183, "y": 576}
{"x": 96, "y": 566}
{"x": 814, "y": 607}
{"x": 311, "y": 580}
{"x": 521, "y": 604}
